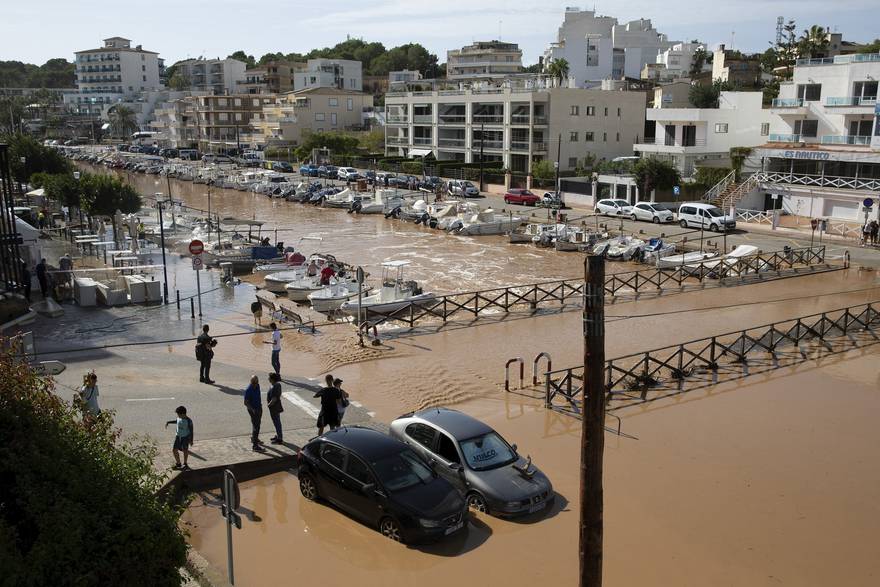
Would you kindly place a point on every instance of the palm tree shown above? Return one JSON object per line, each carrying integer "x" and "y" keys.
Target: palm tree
{"x": 558, "y": 69}
{"x": 814, "y": 42}
{"x": 123, "y": 121}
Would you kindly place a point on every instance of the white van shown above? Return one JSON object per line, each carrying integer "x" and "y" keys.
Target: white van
{"x": 706, "y": 216}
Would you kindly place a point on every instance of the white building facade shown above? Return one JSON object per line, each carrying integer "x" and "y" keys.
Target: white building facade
{"x": 343, "y": 74}
{"x": 693, "y": 137}
{"x": 217, "y": 76}
{"x": 484, "y": 59}
{"x": 106, "y": 75}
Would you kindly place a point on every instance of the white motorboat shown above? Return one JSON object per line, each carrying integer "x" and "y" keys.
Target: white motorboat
{"x": 277, "y": 282}
{"x": 730, "y": 259}
{"x": 486, "y": 222}
{"x": 416, "y": 212}
{"x": 681, "y": 259}
{"x": 379, "y": 203}
{"x": 341, "y": 199}
{"x": 623, "y": 248}
{"x": 330, "y": 298}
{"x": 533, "y": 232}
{"x": 394, "y": 295}
{"x": 656, "y": 249}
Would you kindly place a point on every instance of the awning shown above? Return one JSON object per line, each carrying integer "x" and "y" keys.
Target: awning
{"x": 419, "y": 152}
{"x": 105, "y": 126}
{"x": 37, "y": 193}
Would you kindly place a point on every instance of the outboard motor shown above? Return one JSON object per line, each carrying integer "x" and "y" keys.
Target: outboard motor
{"x": 355, "y": 206}
{"x": 432, "y": 222}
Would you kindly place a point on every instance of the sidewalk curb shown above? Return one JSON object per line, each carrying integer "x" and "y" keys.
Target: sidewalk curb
{"x": 203, "y": 572}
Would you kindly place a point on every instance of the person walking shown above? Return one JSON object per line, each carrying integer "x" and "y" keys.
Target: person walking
{"x": 875, "y": 228}
{"x": 865, "y": 234}
{"x": 205, "y": 353}
{"x": 329, "y": 415}
{"x": 343, "y": 402}
{"x": 183, "y": 438}
{"x": 273, "y": 402}
{"x": 254, "y": 406}
{"x": 276, "y": 348}
{"x": 88, "y": 393}
{"x": 42, "y": 271}
{"x": 26, "y": 281}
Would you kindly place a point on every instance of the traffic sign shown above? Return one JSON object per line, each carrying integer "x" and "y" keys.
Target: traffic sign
{"x": 197, "y": 263}
{"x": 676, "y": 190}
{"x": 196, "y": 247}
{"x": 868, "y": 202}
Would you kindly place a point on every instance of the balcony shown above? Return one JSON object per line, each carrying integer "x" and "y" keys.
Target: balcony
{"x": 539, "y": 147}
{"x": 422, "y": 140}
{"x": 519, "y": 146}
{"x": 397, "y": 119}
{"x": 776, "y": 138}
{"x": 840, "y": 59}
{"x": 542, "y": 120}
{"x": 397, "y": 140}
{"x": 846, "y": 140}
{"x": 519, "y": 118}
{"x": 852, "y": 101}
{"x": 452, "y": 118}
{"x": 423, "y": 118}
{"x": 452, "y": 143}
{"x": 661, "y": 144}
{"x": 487, "y": 144}
{"x": 787, "y": 103}
{"x": 488, "y": 119}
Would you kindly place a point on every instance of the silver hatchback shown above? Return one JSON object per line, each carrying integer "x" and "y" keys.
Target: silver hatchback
{"x": 472, "y": 456}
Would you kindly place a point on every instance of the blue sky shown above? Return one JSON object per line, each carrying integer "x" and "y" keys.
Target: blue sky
{"x": 37, "y": 30}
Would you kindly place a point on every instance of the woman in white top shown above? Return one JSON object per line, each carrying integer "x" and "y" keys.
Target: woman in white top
{"x": 89, "y": 393}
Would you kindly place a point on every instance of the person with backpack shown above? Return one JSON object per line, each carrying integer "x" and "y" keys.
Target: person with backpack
{"x": 204, "y": 353}
{"x": 183, "y": 438}
{"x": 342, "y": 402}
{"x": 273, "y": 402}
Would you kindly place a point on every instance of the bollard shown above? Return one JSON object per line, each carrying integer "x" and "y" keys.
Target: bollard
{"x": 192, "y": 309}
{"x": 535, "y": 366}
{"x": 178, "y": 298}
{"x": 507, "y": 372}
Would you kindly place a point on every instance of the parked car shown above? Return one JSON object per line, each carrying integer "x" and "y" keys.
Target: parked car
{"x": 168, "y": 153}
{"x": 651, "y": 212}
{"x": 706, "y": 216}
{"x": 477, "y": 460}
{"x": 282, "y": 167}
{"x": 430, "y": 182}
{"x": 347, "y": 174}
{"x": 611, "y": 207}
{"x": 518, "y": 196}
{"x": 462, "y": 188}
{"x": 211, "y": 158}
{"x": 551, "y": 200}
{"x": 383, "y": 482}
{"x": 188, "y": 154}
{"x": 310, "y": 170}
{"x": 327, "y": 171}
{"x": 370, "y": 176}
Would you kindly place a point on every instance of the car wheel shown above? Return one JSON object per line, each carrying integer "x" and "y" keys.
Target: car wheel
{"x": 390, "y": 529}
{"x": 633, "y": 217}
{"x": 713, "y": 227}
{"x": 683, "y": 223}
{"x": 308, "y": 487}
{"x": 477, "y": 502}
{"x": 656, "y": 220}
{"x": 506, "y": 201}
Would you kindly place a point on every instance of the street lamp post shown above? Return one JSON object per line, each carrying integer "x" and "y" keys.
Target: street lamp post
{"x": 76, "y": 176}
{"x": 159, "y": 203}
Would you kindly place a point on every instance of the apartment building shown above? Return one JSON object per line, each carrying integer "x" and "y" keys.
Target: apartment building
{"x": 288, "y": 119}
{"x": 513, "y": 123}
{"x": 483, "y": 59}
{"x": 111, "y": 72}
{"x": 693, "y": 137}
{"x": 227, "y": 123}
{"x": 176, "y": 124}
{"x": 735, "y": 68}
{"x": 598, "y": 47}
{"x": 274, "y": 77}
{"x": 822, "y": 158}
{"x": 675, "y": 62}
{"x": 217, "y": 76}
{"x": 344, "y": 74}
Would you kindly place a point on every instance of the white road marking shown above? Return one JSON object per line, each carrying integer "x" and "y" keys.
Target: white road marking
{"x": 371, "y": 414}
{"x": 301, "y": 403}
{"x": 148, "y": 399}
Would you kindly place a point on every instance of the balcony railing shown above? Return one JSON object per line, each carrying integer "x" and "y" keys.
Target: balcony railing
{"x": 398, "y": 119}
{"x": 539, "y": 119}
{"x": 852, "y": 101}
{"x": 519, "y": 145}
{"x": 840, "y": 59}
{"x": 397, "y": 140}
{"x": 776, "y": 138}
{"x": 519, "y": 118}
{"x": 846, "y": 140}
{"x": 488, "y": 144}
{"x": 422, "y": 140}
{"x": 457, "y": 143}
{"x": 488, "y": 118}
{"x": 452, "y": 118}
{"x": 661, "y": 142}
{"x": 539, "y": 146}
{"x": 787, "y": 103}
{"x": 423, "y": 118}
{"x": 830, "y": 181}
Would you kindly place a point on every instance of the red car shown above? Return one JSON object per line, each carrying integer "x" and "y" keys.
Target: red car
{"x": 524, "y": 197}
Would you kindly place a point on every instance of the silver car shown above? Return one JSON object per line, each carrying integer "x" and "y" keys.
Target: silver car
{"x": 490, "y": 473}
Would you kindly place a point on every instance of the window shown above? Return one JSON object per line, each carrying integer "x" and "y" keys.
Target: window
{"x": 145, "y": 77}
{"x": 618, "y": 112}
{"x": 238, "y": 115}
{"x": 806, "y": 128}
{"x": 591, "y": 111}
{"x": 588, "y": 136}
{"x": 238, "y": 101}
{"x": 688, "y": 135}
{"x": 765, "y": 129}
{"x": 573, "y": 136}
{"x": 720, "y": 127}
{"x": 421, "y": 433}
{"x": 334, "y": 102}
{"x": 319, "y": 116}
{"x": 333, "y": 118}
{"x": 604, "y": 137}
{"x": 606, "y": 111}
{"x": 809, "y": 92}
{"x": 256, "y": 102}
{"x": 446, "y": 449}
{"x": 575, "y": 110}
{"x": 358, "y": 470}
{"x": 221, "y": 102}
{"x": 143, "y": 68}
{"x": 618, "y": 137}
{"x": 333, "y": 455}
{"x": 572, "y": 162}
{"x": 222, "y": 116}
{"x": 349, "y": 104}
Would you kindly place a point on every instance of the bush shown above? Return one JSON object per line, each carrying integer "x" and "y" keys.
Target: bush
{"x": 709, "y": 176}
{"x": 37, "y": 158}
{"x": 543, "y": 169}
{"x": 412, "y": 167}
{"x": 77, "y": 505}
{"x": 105, "y": 194}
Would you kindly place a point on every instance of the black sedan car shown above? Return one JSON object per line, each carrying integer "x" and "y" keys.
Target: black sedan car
{"x": 327, "y": 171}
{"x": 382, "y": 482}
{"x": 282, "y": 166}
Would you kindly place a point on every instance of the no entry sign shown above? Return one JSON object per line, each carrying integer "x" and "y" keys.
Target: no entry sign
{"x": 196, "y": 247}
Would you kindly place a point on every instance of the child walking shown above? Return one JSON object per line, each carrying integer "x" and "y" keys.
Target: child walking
{"x": 184, "y": 437}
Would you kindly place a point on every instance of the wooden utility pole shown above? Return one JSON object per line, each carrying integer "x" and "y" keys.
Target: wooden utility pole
{"x": 593, "y": 423}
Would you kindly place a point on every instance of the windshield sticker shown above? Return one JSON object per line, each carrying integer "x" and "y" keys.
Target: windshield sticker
{"x": 485, "y": 456}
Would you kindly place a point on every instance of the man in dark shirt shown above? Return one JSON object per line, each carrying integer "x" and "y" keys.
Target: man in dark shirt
{"x": 207, "y": 353}
{"x": 43, "y": 277}
{"x": 273, "y": 402}
{"x": 329, "y": 415}
{"x": 255, "y": 409}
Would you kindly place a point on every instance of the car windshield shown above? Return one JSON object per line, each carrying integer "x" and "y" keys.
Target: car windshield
{"x": 713, "y": 212}
{"x": 468, "y": 184}
{"x": 402, "y": 470}
{"x": 487, "y": 452}
{"x": 621, "y": 202}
